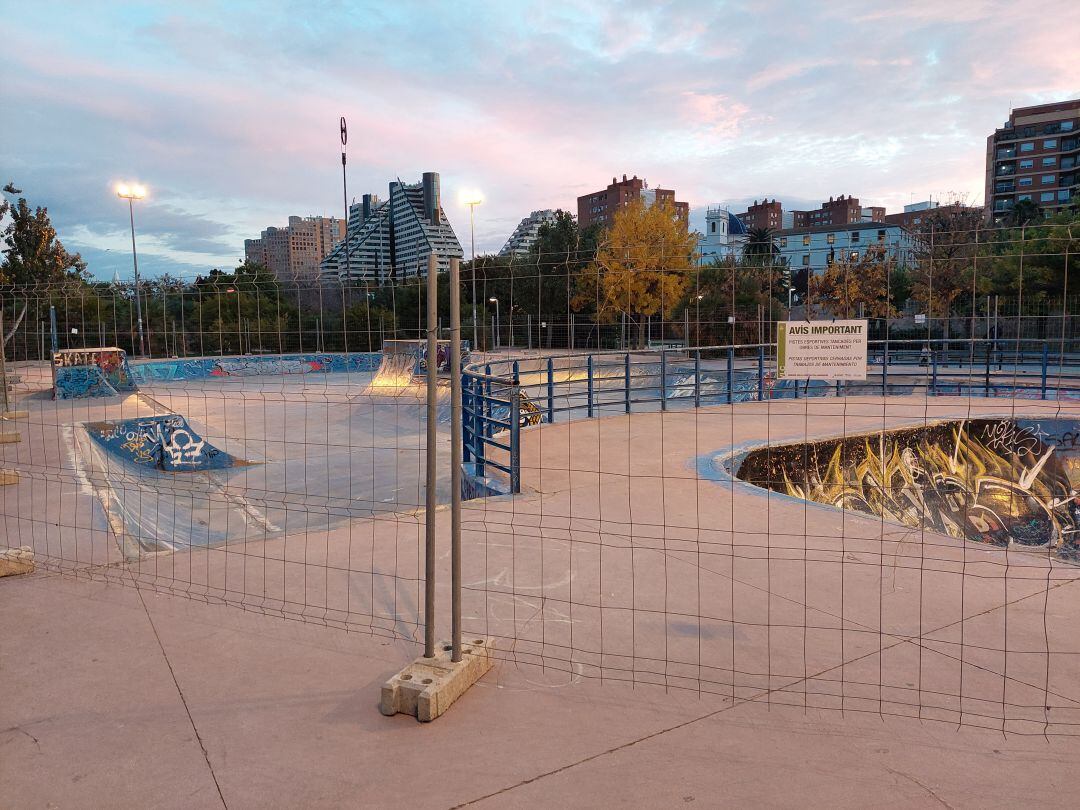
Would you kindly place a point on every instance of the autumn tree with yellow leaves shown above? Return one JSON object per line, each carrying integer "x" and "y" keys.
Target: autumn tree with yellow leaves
{"x": 642, "y": 266}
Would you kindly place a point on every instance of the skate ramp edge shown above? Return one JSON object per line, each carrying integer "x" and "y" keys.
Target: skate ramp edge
{"x": 166, "y": 443}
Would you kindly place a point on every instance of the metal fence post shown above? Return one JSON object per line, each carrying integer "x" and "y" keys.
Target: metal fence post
{"x": 1045, "y": 360}
{"x": 697, "y": 378}
{"x": 626, "y": 382}
{"x": 432, "y": 449}
{"x": 466, "y": 422}
{"x": 589, "y": 366}
{"x": 515, "y": 435}
{"x": 761, "y": 373}
{"x": 455, "y": 458}
{"x": 731, "y": 375}
{"x": 551, "y": 390}
{"x": 488, "y": 429}
{"x": 663, "y": 380}
{"x": 479, "y": 449}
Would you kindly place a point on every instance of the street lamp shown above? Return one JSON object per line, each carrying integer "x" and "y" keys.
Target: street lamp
{"x": 495, "y": 301}
{"x": 132, "y": 192}
{"x": 473, "y": 199}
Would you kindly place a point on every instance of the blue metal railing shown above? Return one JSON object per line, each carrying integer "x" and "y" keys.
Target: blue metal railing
{"x": 501, "y": 397}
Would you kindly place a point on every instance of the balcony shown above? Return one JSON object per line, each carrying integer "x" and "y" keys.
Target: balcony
{"x": 1006, "y": 169}
{"x": 1004, "y": 188}
{"x": 1006, "y": 152}
{"x": 1004, "y": 205}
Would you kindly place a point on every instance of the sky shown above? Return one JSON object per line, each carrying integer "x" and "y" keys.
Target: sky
{"x": 228, "y": 112}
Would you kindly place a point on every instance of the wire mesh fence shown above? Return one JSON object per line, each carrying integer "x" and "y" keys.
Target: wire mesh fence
{"x": 647, "y": 503}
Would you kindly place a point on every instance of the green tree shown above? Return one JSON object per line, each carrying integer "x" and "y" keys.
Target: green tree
{"x": 642, "y": 266}
{"x": 32, "y": 253}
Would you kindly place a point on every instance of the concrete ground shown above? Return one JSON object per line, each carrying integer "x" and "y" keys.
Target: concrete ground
{"x": 664, "y": 639}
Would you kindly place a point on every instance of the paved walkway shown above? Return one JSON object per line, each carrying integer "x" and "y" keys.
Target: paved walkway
{"x": 117, "y": 693}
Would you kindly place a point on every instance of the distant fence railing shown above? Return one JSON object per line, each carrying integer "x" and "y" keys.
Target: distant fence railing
{"x": 503, "y": 396}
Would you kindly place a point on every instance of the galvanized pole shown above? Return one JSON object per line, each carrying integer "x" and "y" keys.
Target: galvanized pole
{"x": 455, "y": 455}
{"x": 345, "y": 196}
{"x": 135, "y": 260}
{"x": 429, "y": 517}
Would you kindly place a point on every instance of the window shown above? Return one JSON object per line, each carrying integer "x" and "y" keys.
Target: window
{"x": 854, "y": 236}
{"x": 1049, "y": 161}
{"x": 1027, "y": 164}
{"x": 1046, "y": 196}
{"x": 1027, "y": 146}
{"x": 1050, "y": 143}
{"x": 831, "y": 238}
{"x": 806, "y": 260}
{"x": 1024, "y": 181}
{"x": 1063, "y": 195}
{"x": 1047, "y": 180}
{"x": 783, "y": 241}
{"x": 806, "y": 239}
{"x": 1023, "y": 197}
{"x": 881, "y": 236}
{"x": 854, "y": 255}
{"x": 712, "y": 227}
{"x": 1066, "y": 126}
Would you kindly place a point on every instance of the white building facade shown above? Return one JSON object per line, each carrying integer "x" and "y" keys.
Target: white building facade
{"x": 525, "y": 234}
{"x": 724, "y": 237}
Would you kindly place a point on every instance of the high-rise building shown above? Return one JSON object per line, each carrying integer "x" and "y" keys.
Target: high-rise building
{"x": 296, "y": 250}
{"x": 524, "y": 235}
{"x": 764, "y": 214}
{"x": 599, "y": 207}
{"x": 1034, "y": 157}
{"x": 837, "y": 211}
{"x": 392, "y": 239}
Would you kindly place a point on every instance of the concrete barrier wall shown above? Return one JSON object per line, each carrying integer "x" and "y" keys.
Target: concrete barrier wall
{"x": 1003, "y": 482}
{"x": 203, "y": 367}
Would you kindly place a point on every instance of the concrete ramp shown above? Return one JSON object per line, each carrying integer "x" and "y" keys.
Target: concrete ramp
{"x": 83, "y": 373}
{"x": 167, "y": 443}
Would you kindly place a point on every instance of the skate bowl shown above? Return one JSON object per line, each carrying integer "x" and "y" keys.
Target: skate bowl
{"x": 83, "y": 373}
{"x": 1009, "y": 483}
{"x": 167, "y": 443}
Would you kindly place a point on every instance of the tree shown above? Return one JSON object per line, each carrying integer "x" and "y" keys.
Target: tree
{"x": 858, "y": 287}
{"x": 951, "y": 240}
{"x": 761, "y": 246}
{"x": 32, "y": 253}
{"x": 1024, "y": 213}
{"x": 642, "y": 266}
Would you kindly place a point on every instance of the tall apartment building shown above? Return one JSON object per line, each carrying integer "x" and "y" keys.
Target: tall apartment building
{"x": 842, "y": 210}
{"x": 297, "y": 249}
{"x": 599, "y": 207}
{"x": 1034, "y": 157}
{"x": 764, "y": 214}
{"x": 391, "y": 239}
{"x": 524, "y": 235}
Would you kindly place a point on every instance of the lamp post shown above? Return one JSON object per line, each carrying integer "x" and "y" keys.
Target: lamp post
{"x": 472, "y": 200}
{"x": 132, "y": 192}
{"x": 495, "y": 301}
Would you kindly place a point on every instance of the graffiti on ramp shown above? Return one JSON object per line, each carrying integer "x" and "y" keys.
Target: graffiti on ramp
{"x": 166, "y": 443}
{"x": 81, "y": 373}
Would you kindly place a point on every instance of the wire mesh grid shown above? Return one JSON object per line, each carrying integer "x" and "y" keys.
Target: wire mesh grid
{"x": 647, "y": 504}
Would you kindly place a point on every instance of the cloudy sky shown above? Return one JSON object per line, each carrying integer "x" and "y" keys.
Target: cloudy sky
{"x": 229, "y": 111}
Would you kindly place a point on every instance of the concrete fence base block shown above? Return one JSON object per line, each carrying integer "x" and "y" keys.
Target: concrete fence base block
{"x": 16, "y": 561}
{"x": 8, "y": 477}
{"x": 15, "y": 415}
{"x": 428, "y": 686}
{"x": 10, "y": 438}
